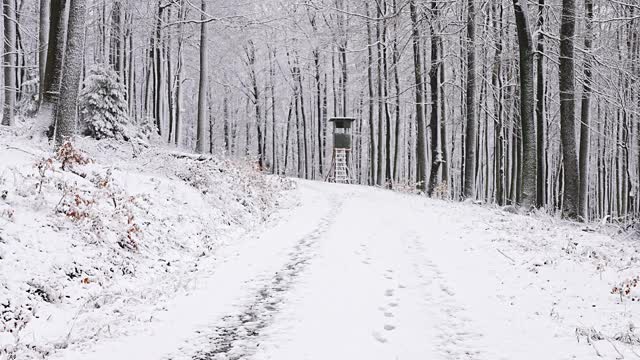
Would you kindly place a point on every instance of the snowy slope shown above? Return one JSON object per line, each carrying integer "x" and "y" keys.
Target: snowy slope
{"x": 95, "y": 250}
{"x": 361, "y": 273}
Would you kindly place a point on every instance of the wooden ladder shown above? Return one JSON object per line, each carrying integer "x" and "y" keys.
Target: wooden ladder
{"x": 341, "y": 171}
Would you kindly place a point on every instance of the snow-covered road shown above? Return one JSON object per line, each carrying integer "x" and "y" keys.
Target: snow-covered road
{"x": 359, "y": 273}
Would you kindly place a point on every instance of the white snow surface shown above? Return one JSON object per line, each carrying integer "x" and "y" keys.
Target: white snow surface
{"x": 105, "y": 246}
{"x": 321, "y": 271}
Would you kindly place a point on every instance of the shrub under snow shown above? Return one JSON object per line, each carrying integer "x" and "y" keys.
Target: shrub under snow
{"x": 103, "y": 105}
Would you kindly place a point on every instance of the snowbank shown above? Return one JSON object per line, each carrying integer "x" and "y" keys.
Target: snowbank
{"x": 95, "y": 239}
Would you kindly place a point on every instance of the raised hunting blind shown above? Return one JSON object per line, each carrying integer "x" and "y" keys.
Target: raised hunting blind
{"x": 340, "y": 170}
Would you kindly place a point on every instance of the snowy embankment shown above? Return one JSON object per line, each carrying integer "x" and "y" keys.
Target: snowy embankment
{"x": 94, "y": 241}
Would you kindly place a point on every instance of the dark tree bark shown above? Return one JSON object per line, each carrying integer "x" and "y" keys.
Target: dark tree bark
{"x": 225, "y": 119}
{"x": 255, "y": 92}
{"x": 388, "y": 180}
{"x": 274, "y": 146}
{"x": 568, "y": 109}
{"x": 303, "y": 115}
{"x": 65, "y": 120}
{"x": 178, "y": 82}
{"x": 380, "y": 173}
{"x": 372, "y": 137}
{"x": 43, "y": 31}
{"x": 527, "y": 101}
{"x": 496, "y": 81}
{"x": 201, "y": 126}
{"x": 9, "y": 62}
{"x": 158, "y": 114}
{"x": 55, "y": 54}
{"x": 443, "y": 122}
{"x": 436, "y": 158}
{"x": 540, "y": 111}
{"x": 421, "y": 162}
{"x": 396, "y": 81}
{"x": 471, "y": 126}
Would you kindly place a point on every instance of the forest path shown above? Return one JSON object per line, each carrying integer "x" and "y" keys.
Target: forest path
{"x": 361, "y": 273}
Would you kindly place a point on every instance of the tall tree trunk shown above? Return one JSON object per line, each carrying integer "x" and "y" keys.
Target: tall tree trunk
{"x": 568, "y": 109}
{"x": 527, "y": 101}
{"x": 55, "y": 55}
{"x": 287, "y": 137}
{"x": 201, "y": 127}
{"x": 225, "y": 119}
{"x": 305, "y": 146}
{"x": 158, "y": 114}
{"x": 436, "y": 158}
{"x": 387, "y": 119}
{"x": 540, "y": 112}
{"x": 372, "y": 138}
{"x": 178, "y": 80}
{"x": 170, "y": 83}
{"x": 396, "y": 81}
{"x": 421, "y": 166}
{"x": 65, "y": 120}
{"x": 321, "y": 119}
{"x": 443, "y": 122}
{"x": 380, "y": 174}
{"x": 470, "y": 130}
{"x": 586, "y": 115}
{"x": 274, "y": 150}
{"x": 43, "y": 31}
{"x": 496, "y": 81}
{"x": 255, "y": 91}
{"x": 9, "y": 60}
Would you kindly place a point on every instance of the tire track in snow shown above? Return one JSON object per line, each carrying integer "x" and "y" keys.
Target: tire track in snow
{"x": 239, "y": 334}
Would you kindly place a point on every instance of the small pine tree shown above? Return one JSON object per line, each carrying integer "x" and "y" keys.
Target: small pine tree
{"x": 103, "y": 106}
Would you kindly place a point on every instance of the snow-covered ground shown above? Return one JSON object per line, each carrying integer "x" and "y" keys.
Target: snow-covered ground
{"x": 335, "y": 271}
{"x": 96, "y": 250}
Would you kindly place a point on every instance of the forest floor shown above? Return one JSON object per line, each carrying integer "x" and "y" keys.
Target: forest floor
{"x": 305, "y": 271}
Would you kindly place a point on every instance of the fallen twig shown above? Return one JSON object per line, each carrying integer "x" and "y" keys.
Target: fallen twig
{"x": 507, "y": 256}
